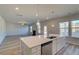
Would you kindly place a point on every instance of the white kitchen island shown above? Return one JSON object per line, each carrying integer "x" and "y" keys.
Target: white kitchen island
{"x": 35, "y": 45}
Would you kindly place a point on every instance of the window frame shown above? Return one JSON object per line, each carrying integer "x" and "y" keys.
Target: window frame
{"x": 75, "y": 28}
{"x": 64, "y": 27}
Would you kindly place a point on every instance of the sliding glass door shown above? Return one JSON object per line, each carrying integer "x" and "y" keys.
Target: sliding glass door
{"x": 75, "y": 28}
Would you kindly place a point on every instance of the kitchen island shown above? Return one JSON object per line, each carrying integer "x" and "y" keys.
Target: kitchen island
{"x": 39, "y": 45}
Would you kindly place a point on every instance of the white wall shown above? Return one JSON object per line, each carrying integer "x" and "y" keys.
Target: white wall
{"x": 2, "y": 29}
{"x": 55, "y": 22}
{"x": 49, "y": 24}
{"x": 16, "y": 29}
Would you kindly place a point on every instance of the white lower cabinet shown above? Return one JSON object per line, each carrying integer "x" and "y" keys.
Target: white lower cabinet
{"x": 58, "y": 44}
{"x": 47, "y": 49}
{"x": 36, "y": 50}
{"x": 54, "y": 46}
{"x": 30, "y": 51}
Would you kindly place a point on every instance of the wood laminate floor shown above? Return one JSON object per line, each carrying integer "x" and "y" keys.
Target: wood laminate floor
{"x": 11, "y": 46}
{"x": 69, "y": 50}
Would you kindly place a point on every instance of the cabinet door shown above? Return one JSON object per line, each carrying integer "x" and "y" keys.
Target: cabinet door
{"x": 54, "y": 46}
{"x": 63, "y": 41}
{"x": 59, "y": 44}
{"x": 36, "y": 50}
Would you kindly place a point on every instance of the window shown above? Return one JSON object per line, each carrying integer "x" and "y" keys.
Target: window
{"x": 38, "y": 27}
{"x": 75, "y": 28}
{"x": 64, "y": 28}
{"x": 45, "y": 31}
{"x": 30, "y": 28}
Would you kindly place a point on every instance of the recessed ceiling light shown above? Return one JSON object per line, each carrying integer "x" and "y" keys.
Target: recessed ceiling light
{"x": 36, "y": 14}
{"x": 53, "y": 25}
{"x": 47, "y": 18}
{"x": 17, "y": 8}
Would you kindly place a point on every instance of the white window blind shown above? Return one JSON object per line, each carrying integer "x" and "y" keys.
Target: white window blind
{"x": 64, "y": 28}
{"x": 75, "y": 28}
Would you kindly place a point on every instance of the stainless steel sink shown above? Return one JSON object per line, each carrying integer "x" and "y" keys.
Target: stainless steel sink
{"x": 51, "y": 37}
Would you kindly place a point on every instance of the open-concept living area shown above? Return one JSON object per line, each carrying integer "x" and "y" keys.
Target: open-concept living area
{"x": 39, "y": 29}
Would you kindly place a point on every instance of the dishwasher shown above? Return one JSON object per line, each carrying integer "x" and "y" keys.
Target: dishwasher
{"x": 46, "y": 48}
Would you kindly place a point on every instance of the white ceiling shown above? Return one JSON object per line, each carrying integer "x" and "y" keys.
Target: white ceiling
{"x": 27, "y": 13}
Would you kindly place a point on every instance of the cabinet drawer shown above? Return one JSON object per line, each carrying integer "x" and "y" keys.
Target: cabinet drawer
{"x": 36, "y": 49}
{"x": 36, "y": 53}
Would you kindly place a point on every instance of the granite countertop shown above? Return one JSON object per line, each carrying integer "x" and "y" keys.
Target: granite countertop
{"x": 33, "y": 41}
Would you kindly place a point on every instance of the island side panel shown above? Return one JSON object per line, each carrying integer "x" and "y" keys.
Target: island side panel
{"x": 54, "y": 46}
{"x": 25, "y": 50}
{"x": 30, "y": 51}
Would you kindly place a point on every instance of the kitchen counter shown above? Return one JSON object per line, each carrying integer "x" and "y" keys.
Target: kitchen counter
{"x": 37, "y": 45}
{"x": 33, "y": 41}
